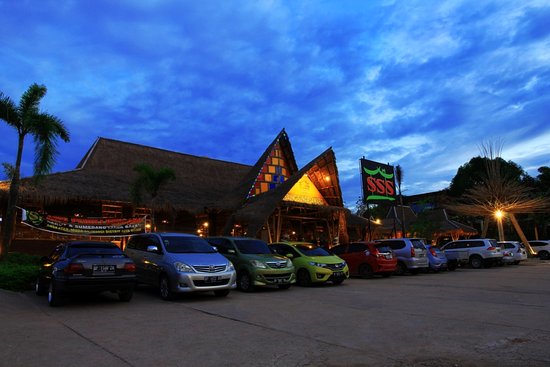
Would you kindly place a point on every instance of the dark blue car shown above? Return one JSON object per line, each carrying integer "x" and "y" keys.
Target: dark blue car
{"x": 436, "y": 258}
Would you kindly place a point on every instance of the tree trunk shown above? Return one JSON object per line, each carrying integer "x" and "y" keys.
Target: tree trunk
{"x": 8, "y": 223}
{"x": 521, "y": 234}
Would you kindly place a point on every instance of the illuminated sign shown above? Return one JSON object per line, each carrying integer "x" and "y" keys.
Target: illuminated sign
{"x": 378, "y": 182}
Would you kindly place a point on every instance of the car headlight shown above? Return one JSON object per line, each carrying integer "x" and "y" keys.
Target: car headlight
{"x": 230, "y": 266}
{"x": 183, "y": 268}
{"x": 258, "y": 264}
{"x": 289, "y": 264}
{"x": 313, "y": 263}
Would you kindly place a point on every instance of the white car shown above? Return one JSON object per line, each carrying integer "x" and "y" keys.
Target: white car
{"x": 542, "y": 248}
{"x": 513, "y": 252}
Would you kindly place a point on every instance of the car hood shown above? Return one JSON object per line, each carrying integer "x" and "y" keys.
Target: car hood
{"x": 198, "y": 259}
{"x": 325, "y": 259}
{"x": 263, "y": 257}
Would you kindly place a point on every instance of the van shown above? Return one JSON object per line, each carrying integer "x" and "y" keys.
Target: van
{"x": 411, "y": 254}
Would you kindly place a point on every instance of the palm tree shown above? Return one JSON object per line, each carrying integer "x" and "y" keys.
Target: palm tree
{"x": 26, "y": 118}
{"x": 150, "y": 181}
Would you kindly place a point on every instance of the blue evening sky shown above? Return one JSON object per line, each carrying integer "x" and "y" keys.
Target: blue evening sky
{"x": 417, "y": 83}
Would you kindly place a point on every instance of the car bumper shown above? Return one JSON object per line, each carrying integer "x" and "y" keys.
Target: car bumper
{"x": 198, "y": 282}
{"x": 320, "y": 275}
{"x": 385, "y": 266}
{"x": 265, "y": 278}
{"x": 77, "y": 285}
{"x": 417, "y": 263}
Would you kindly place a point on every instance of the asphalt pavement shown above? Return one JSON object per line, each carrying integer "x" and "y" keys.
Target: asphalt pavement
{"x": 487, "y": 317}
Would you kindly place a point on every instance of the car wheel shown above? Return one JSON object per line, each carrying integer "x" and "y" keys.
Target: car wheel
{"x": 125, "y": 296}
{"x": 165, "y": 290}
{"x": 303, "y": 278}
{"x": 54, "y": 296}
{"x": 543, "y": 255}
{"x": 401, "y": 269}
{"x": 365, "y": 271}
{"x": 221, "y": 293}
{"x": 284, "y": 286}
{"x": 245, "y": 282}
{"x": 40, "y": 287}
{"x": 476, "y": 262}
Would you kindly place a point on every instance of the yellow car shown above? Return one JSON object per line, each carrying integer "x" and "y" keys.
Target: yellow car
{"x": 312, "y": 264}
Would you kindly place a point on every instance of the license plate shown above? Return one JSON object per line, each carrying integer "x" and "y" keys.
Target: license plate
{"x": 211, "y": 279}
{"x": 278, "y": 281}
{"x": 338, "y": 273}
{"x": 103, "y": 269}
{"x": 388, "y": 257}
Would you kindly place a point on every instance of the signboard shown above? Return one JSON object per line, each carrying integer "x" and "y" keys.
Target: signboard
{"x": 378, "y": 182}
{"x": 98, "y": 227}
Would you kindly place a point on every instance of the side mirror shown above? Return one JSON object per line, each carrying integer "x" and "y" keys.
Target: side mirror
{"x": 152, "y": 248}
{"x": 290, "y": 256}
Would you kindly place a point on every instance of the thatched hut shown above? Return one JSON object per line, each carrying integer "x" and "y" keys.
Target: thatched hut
{"x": 272, "y": 199}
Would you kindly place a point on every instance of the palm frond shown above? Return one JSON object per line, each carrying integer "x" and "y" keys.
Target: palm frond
{"x": 45, "y": 129}
{"x": 9, "y": 111}
{"x": 29, "y": 104}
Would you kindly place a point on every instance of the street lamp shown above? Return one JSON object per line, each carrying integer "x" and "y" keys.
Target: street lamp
{"x": 499, "y": 214}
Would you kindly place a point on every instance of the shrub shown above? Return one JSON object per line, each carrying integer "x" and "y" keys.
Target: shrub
{"x": 19, "y": 271}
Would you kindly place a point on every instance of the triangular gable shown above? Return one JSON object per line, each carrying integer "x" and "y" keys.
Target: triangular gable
{"x": 304, "y": 191}
{"x": 274, "y": 167}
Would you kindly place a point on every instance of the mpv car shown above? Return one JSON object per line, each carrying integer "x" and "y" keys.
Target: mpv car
{"x": 256, "y": 265}
{"x": 480, "y": 252}
{"x": 85, "y": 266}
{"x": 410, "y": 252}
{"x": 542, "y": 248}
{"x": 366, "y": 259}
{"x": 513, "y": 252}
{"x": 313, "y": 264}
{"x": 179, "y": 263}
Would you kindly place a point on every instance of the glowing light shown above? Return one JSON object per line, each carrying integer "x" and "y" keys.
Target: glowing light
{"x": 499, "y": 214}
{"x": 327, "y": 178}
{"x": 148, "y": 226}
{"x": 205, "y": 224}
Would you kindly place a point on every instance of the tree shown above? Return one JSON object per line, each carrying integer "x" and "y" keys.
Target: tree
{"x": 45, "y": 128}
{"x": 150, "y": 181}
{"x": 499, "y": 192}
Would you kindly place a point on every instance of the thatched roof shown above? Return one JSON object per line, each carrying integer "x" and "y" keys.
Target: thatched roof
{"x": 106, "y": 173}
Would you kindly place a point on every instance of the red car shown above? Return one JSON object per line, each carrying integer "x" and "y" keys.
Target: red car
{"x": 366, "y": 259}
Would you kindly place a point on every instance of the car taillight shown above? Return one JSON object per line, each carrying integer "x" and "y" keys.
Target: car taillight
{"x": 74, "y": 268}
{"x": 412, "y": 251}
{"x": 432, "y": 251}
{"x": 131, "y": 267}
{"x": 492, "y": 248}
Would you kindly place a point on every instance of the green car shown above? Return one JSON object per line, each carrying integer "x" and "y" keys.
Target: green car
{"x": 313, "y": 264}
{"x": 256, "y": 265}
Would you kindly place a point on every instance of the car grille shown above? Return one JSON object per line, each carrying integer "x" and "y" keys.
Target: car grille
{"x": 336, "y": 266}
{"x": 209, "y": 268}
{"x": 271, "y": 278}
{"x": 202, "y": 283}
{"x": 276, "y": 264}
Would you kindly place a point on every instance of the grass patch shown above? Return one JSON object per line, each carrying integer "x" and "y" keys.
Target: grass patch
{"x": 18, "y": 271}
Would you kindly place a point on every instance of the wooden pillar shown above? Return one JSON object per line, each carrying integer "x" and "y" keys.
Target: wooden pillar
{"x": 521, "y": 234}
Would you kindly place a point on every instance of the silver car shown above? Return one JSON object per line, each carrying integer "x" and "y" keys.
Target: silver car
{"x": 541, "y": 248}
{"x": 480, "y": 251}
{"x": 180, "y": 263}
{"x": 513, "y": 252}
{"x": 411, "y": 254}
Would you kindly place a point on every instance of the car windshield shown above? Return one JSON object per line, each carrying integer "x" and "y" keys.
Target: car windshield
{"x": 252, "y": 247}
{"x": 312, "y": 250}
{"x": 382, "y": 248}
{"x": 419, "y": 244}
{"x": 183, "y": 245}
{"x": 93, "y": 249}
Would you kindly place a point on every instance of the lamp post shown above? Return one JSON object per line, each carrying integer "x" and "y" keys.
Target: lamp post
{"x": 498, "y": 215}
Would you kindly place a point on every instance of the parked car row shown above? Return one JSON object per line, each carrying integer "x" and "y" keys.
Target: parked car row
{"x": 177, "y": 263}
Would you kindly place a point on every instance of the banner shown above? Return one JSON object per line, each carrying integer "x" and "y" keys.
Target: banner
{"x": 378, "y": 182}
{"x": 79, "y": 226}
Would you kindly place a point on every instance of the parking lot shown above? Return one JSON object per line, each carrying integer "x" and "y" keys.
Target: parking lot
{"x": 464, "y": 318}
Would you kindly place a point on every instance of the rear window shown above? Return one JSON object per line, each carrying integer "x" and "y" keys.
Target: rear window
{"x": 419, "y": 244}
{"x": 252, "y": 247}
{"x": 382, "y": 247}
{"x": 183, "y": 245}
{"x": 93, "y": 249}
